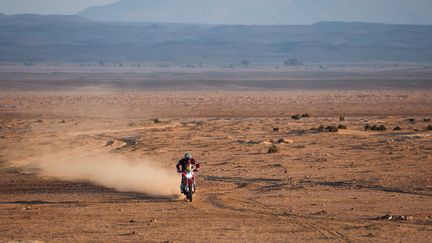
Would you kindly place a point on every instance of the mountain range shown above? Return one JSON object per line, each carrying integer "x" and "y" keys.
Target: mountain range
{"x": 76, "y": 39}
{"x": 264, "y": 12}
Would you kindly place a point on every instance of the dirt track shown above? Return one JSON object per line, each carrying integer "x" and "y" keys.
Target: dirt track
{"x": 319, "y": 187}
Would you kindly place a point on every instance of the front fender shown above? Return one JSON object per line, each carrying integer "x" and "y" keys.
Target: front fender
{"x": 190, "y": 181}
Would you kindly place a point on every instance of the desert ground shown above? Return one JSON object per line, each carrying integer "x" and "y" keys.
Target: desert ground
{"x": 91, "y": 157}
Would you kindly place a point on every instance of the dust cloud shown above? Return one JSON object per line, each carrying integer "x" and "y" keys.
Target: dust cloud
{"x": 111, "y": 171}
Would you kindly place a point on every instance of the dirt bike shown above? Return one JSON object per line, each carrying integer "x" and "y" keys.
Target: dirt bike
{"x": 188, "y": 180}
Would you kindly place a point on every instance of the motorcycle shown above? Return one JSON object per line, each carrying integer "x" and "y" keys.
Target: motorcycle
{"x": 188, "y": 180}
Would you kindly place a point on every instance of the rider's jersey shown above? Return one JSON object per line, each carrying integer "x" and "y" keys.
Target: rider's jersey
{"x": 181, "y": 165}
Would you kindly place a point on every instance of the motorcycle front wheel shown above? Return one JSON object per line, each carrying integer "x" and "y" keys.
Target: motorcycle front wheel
{"x": 190, "y": 193}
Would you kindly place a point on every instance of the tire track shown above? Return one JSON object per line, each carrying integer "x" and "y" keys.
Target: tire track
{"x": 234, "y": 202}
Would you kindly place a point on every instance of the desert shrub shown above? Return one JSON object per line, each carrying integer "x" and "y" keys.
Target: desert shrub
{"x": 281, "y": 140}
{"x": 342, "y": 126}
{"x": 332, "y": 129}
{"x": 245, "y": 63}
{"x": 275, "y": 129}
{"x": 412, "y": 120}
{"x": 273, "y": 149}
{"x": 397, "y": 129}
{"x": 342, "y": 118}
{"x": 296, "y": 117}
{"x": 322, "y": 128}
{"x": 381, "y": 128}
{"x": 156, "y": 121}
{"x": 375, "y": 128}
{"x": 426, "y": 119}
{"x": 429, "y": 128}
{"x": 305, "y": 115}
{"x": 294, "y": 62}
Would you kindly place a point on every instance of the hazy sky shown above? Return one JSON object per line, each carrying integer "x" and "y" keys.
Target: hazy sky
{"x": 48, "y": 6}
{"x": 233, "y": 11}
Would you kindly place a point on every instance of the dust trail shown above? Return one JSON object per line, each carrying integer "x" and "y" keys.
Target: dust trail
{"x": 111, "y": 171}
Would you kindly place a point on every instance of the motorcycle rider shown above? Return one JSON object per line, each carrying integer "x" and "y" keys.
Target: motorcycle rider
{"x": 182, "y": 164}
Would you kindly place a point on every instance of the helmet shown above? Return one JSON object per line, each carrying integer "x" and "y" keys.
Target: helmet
{"x": 187, "y": 156}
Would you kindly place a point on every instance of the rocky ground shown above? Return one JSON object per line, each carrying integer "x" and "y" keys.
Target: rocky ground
{"x": 344, "y": 186}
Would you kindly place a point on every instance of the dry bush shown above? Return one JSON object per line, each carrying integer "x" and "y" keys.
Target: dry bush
{"x": 429, "y": 128}
{"x": 426, "y": 119}
{"x": 300, "y": 116}
{"x": 342, "y": 118}
{"x": 321, "y": 128}
{"x": 275, "y": 129}
{"x": 397, "y": 129}
{"x": 375, "y": 128}
{"x": 332, "y": 129}
{"x": 296, "y": 117}
{"x": 157, "y": 121}
{"x": 273, "y": 149}
{"x": 342, "y": 126}
{"x": 381, "y": 128}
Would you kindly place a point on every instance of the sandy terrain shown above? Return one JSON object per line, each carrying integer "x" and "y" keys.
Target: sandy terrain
{"x": 72, "y": 160}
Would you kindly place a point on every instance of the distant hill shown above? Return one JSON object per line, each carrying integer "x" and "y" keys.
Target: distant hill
{"x": 75, "y": 39}
{"x": 264, "y": 12}
{"x": 35, "y": 19}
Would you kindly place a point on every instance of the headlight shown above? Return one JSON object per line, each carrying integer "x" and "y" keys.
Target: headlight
{"x": 189, "y": 175}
